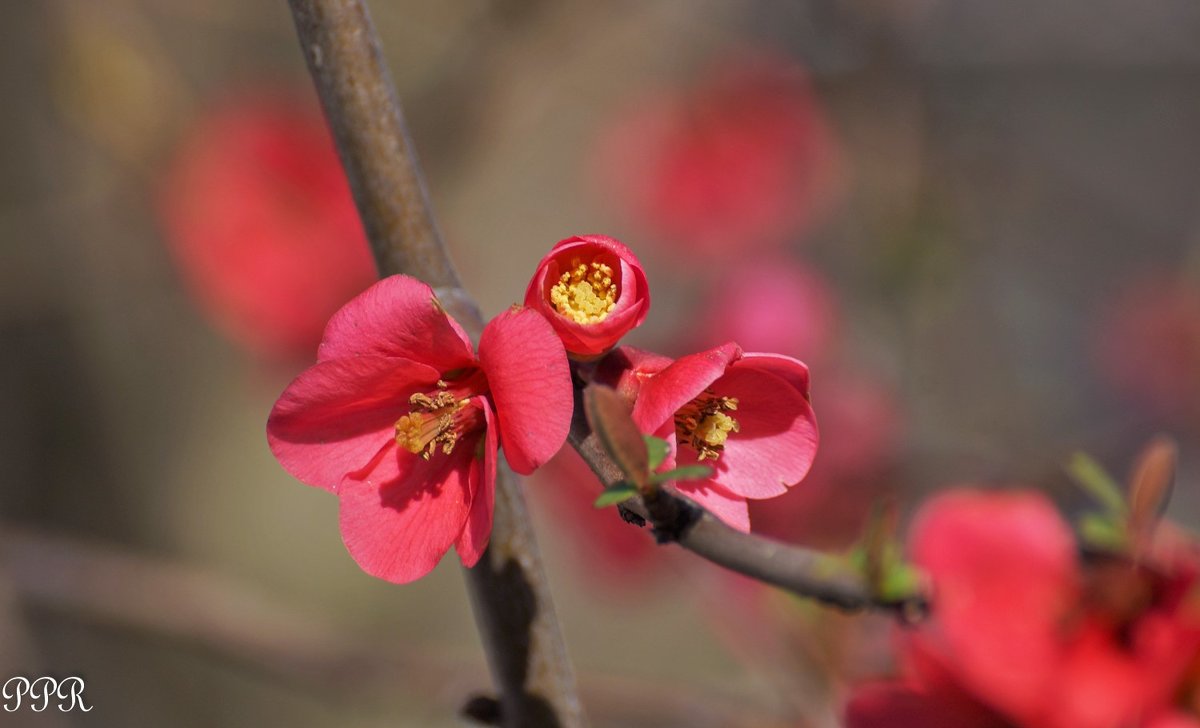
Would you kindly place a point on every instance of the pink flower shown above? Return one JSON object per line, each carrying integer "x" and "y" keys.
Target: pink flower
{"x": 746, "y": 416}
{"x": 259, "y": 217}
{"x": 772, "y": 304}
{"x": 1029, "y": 635}
{"x": 1149, "y": 345}
{"x": 592, "y": 290}
{"x": 400, "y": 419}
{"x": 743, "y": 160}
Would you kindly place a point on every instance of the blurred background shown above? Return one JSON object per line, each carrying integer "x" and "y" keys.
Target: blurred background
{"x": 976, "y": 221}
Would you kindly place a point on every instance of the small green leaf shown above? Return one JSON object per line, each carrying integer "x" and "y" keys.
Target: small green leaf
{"x": 687, "y": 472}
{"x": 900, "y": 582}
{"x": 1093, "y": 478}
{"x": 615, "y": 494}
{"x": 1103, "y": 532}
{"x": 657, "y": 448}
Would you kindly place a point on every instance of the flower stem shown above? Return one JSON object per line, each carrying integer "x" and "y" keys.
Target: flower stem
{"x": 509, "y": 592}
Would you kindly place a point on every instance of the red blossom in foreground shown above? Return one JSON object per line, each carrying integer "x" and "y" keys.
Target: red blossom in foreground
{"x": 592, "y": 290}
{"x": 746, "y": 416}
{"x": 743, "y": 160}
{"x": 400, "y": 419}
{"x": 1149, "y": 345}
{"x": 1024, "y": 635}
{"x": 258, "y": 214}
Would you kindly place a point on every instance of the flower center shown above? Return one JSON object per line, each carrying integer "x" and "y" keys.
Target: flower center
{"x": 704, "y": 425}
{"x": 586, "y": 293}
{"x": 433, "y": 422}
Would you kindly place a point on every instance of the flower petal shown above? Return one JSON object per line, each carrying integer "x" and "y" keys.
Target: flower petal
{"x": 1004, "y": 572}
{"x": 792, "y": 370}
{"x": 897, "y": 705}
{"x": 398, "y": 316}
{"x": 777, "y": 436}
{"x": 681, "y": 382}
{"x": 530, "y": 382}
{"x": 400, "y": 517}
{"x": 333, "y": 418}
{"x": 475, "y": 535}
{"x": 729, "y": 507}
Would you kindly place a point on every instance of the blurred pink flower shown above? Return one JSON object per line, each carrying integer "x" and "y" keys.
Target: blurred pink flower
{"x": 1148, "y": 345}
{"x": 771, "y": 304}
{"x": 743, "y": 160}
{"x": 1025, "y": 635}
{"x": 258, "y": 215}
{"x": 860, "y": 431}
{"x": 400, "y": 418}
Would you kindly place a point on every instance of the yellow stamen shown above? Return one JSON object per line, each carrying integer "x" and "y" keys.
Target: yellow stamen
{"x": 431, "y": 423}
{"x": 704, "y": 425}
{"x": 586, "y": 293}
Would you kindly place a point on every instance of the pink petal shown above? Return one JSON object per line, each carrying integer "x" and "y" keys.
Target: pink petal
{"x": 400, "y": 517}
{"x": 530, "y": 382}
{"x": 787, "y": 368}
{"x": 1004, "y": 572}
{"x": 397, "y": 317}
{"x": 897, "y": 705}
{"x": 777, "y": 436}
{"x": 474, "y": 539}
{"x": 681, "y": 382}
{"x": 334, "y": 417}
{"x": 729, "y": 507}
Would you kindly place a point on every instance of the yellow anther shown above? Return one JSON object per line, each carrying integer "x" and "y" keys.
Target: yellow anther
{"x": 430, "y": 424}
{"x": 704, "y": 425}
{"x": 586, "y": 293}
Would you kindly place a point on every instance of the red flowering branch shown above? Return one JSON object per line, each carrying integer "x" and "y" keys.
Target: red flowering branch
{"x": 804, "y": 572}
{"x": 509, "y": 593}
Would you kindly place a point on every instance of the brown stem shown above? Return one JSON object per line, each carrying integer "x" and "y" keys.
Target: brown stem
{"x": 801, "y": 571}
{"x": 509, "y": 593}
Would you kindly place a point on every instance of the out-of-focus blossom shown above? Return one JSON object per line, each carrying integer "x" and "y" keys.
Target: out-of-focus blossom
{"x": 746, "y": 416}
{"x": 771, "y": 304}
{"x": 860, "y": 431}
{"x": 399, "y": 418}
{"x": 592, "y": 290}
{"x": 743, "y": 160}
{"x": 1148, "y": 345}
{"x": 258, "y": 215}
{"x": 1025, "y": 635}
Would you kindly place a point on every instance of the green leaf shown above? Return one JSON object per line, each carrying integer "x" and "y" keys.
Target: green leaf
{"x": 609, "y": 417}
{"x": 615, "y": 494}
{"x": 657, "y": 448}
{"x": 1103, "y": 532}
{"x": 1095, "y": 480}
{"x": 899, "y": 581}
{"x": 687, "y": 472}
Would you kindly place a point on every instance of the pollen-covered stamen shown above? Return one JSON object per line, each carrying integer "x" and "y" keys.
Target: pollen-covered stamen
{"x": 433, "y": 422}
{"x": 586, "y": 292}
{"x": 704, "y": 425}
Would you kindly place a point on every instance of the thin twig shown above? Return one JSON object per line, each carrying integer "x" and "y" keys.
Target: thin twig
{"x": 509, "y": 593}
{"x": 801, "y": 571}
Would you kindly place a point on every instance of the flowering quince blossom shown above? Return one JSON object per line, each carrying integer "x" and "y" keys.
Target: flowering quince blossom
{"x": 745, "y": 415}
{"x": 259, "y": 218}
{"x": 1023, "y": 635}
{"x": 402, "y": 420}
{"x": 592, "y": 290}
{"x": 745, "y": 159}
